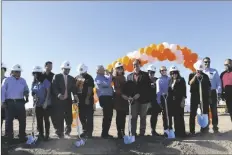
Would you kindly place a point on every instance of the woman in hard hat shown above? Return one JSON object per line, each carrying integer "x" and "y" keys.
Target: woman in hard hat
{"x": 3, "y": 71}
{"x": 41, "y": 93}
{"x": 120, "y": 105}
{"x": 194, "y": 79}
{"x": 155, "y": 108}
{"x": 14, "y": 96}
{"x": 176, "y": 101}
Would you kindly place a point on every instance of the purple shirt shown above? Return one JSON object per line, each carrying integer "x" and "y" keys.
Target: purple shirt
{"x": 162, "y": 87}
{"x": 103, "y": 85}
{"x": 13, "y": 88}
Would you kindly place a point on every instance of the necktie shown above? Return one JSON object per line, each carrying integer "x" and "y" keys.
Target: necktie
{"x": 66, "y": 84}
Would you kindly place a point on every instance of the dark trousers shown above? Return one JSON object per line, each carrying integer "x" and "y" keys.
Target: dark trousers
{"x": 15, "y": 109}
{"x": 195, "y": 101}
{"x": 2, "y": 116}
{"x": 213, "y": 108}
{"x": 86, "y": 117}
{"x": 179, "y": 123}
{"x": 121, "y": 121}
{"x": 51, "y": 114}
{"x": 106, "y": 102}
{"x": 63, "y": 111}
{"x": 155, "y": 110}
{"x": 228, "y": 97}
{"x": 42, "y": 115}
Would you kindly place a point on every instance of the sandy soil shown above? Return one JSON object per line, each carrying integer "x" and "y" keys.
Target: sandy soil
{"x": 220, "y": 143}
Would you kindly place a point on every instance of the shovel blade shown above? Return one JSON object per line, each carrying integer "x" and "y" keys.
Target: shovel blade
{"x": 31, "y": 140}
{"x": 171, "y": 134}
{"x": 203, "y": 120}
{"x": 79, "y": 143}
{"x": 129, "y": 139}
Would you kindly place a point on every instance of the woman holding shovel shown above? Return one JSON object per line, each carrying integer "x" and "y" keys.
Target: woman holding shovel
{"x": 41, "y": 94}
{"x": 176, "y": 101}
{"x": 200, "y": 89}
{"x": 120, "y": 105}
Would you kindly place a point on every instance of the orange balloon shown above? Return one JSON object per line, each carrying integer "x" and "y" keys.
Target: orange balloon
{"x": 194, "y": 57}
{"x": 129, "y": 67}
{"x": 155, "y": 53}
{"x": 125, "y": 60}
{"x": 171, "y": 56}
{"x": 186, "y": 64}
{"x": 141, "y": 50}
{"x": 160, "y": 47}
{"x": 148, "y": 51}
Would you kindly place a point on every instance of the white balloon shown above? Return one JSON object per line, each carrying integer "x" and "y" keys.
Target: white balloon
{"x": 130, "y": 54}
{"x": 166, "y": 45}
{"x": 173, "y": 47}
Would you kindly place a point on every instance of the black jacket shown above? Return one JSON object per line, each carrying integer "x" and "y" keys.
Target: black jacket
{"x": 142, "y": 86}
{"x": 177, "y": 93}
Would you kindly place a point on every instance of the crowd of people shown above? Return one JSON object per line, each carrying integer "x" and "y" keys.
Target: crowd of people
{"x": 52, "y": 97}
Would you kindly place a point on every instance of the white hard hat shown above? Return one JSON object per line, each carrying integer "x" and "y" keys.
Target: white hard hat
{"x": 37, "y": 69}
{"x": 173, "y": 68}
{"x": 82, "y": 68}
{"x": 151, "y": 68}
{"x": 16, "y": 67}
{"x": 118, "y": 64}
{"x": 3, "y": 65}
{"x": 199, "y": 65}
{"x": 66, "y": 65}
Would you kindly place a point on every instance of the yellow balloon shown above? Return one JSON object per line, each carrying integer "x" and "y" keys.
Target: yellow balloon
{"x": 125, "y": 60}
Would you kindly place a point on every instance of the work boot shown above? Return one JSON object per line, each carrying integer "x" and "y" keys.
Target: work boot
{"x": 154, "y": 133}
{"x": 46, "y": 137}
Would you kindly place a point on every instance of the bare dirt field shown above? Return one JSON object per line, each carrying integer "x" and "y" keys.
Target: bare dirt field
{"x": 220, "y": 143}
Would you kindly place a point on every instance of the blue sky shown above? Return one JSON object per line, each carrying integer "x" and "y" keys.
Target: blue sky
{"x": 100, "y": 32}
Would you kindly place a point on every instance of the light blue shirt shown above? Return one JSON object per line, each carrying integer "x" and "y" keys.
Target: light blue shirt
{"x": 214, "y": 79}
{"x": 162, "y": 87}
{"x": 103, "y": 85}
{"x": 13, "y": 88}
{"x": 40, "y": 90}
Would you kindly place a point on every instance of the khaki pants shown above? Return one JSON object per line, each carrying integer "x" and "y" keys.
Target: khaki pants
{"x": 139, "y": 109}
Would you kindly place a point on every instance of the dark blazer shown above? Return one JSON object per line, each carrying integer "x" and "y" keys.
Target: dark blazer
{"x": 178, "y": 91}
{"x": 142, "y": 86}
{"x": 58, "y": 85}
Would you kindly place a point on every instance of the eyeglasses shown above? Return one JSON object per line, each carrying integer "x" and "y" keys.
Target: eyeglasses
{"x": 135, "y": 65}
{"x": 163, "y": 70}
{"x": 120, "y": 68}
{"x": 226, "y": 65}
{"x": 206, "y": 62}
{"x": 151, "y": 72}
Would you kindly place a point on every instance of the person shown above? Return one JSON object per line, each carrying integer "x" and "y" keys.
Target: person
{"x": 42, "y": 99}
{"x": 85, "y": 95}
{"x": 15, "y": 94}
{"x": 120, "y": 104}
{"x": 3, "y": 71}
{"x": 48, "y": 74}
{"x": 63, "y": 85}
{"x": 194, "y": 79}
{"x": 176, "y": 101}
{"x": 104, "y": 91}
{"x": 162, "y": 93}
{"x": 141, "y": 99}
{"x": 155, "y": 108}
{"x": 216, "y": 90}
{"x": 226, "y": 78}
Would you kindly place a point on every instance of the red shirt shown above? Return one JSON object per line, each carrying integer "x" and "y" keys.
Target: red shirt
{"x": 227, "y": 79}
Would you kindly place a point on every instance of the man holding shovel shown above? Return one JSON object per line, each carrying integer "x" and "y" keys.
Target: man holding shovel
{"x": 194, "y": 80}
{"x": 85, "y": 85}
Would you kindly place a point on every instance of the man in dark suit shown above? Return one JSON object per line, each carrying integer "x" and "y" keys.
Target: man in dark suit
{"x": 63, "y": 85}
{"x": 142, "y": 85}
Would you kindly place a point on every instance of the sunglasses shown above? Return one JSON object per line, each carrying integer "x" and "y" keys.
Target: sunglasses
{"x": 151, "y": 72}
{"x": 120, "y": 68}
{"x": 206, "y": 62}
{"x": 163, "y": 70}
{"x": 226, "y": 65}
{"x": 173, "y": 73}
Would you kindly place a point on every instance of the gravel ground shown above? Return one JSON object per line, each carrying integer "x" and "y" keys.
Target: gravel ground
{"x": 211, "y": 143}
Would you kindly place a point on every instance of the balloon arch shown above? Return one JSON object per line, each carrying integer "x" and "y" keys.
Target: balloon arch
{"x": 154, "y": 52}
